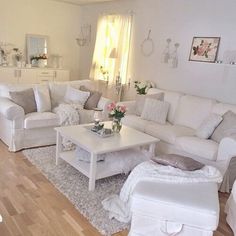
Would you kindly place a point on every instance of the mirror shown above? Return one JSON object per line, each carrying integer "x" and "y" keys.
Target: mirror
{"x": 37, "y": 49}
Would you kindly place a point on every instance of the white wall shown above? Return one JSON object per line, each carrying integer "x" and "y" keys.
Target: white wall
{"x": 179, "y": 20}
{"x": 59, "y": 21}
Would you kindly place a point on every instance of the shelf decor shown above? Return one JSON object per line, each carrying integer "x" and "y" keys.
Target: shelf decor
{"x": 204, "y": 49}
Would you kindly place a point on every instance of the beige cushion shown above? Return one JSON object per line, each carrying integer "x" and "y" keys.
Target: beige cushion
{"x": 192, "y": 110}
{"x": 204, "y": 148}
{"x": 25, "y": 99}
{"x": 177, "y": 161}
{"x": 39, "y": 120}
{"x": 140, "y": 101}
{"x": 155, "y": 110}
{"x": 93, "y": 99}
{"x": 226, "y": 128}
{"x": 208, "y": 126}
{"x": 135, "y": 122}
{"x": 168, "y": 133}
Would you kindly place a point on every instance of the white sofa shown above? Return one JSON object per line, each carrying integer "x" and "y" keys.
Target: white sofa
{"x": 19, "y": 131}
{"x": 185, "y": 115}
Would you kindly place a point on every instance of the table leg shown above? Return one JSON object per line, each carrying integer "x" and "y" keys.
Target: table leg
{"x": 92, "y": 171}
{"x": 152, "y": 148}
{"x": 58, "y": 147}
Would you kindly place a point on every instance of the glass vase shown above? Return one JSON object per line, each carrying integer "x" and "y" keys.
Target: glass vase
{"x": 116, "y": 125}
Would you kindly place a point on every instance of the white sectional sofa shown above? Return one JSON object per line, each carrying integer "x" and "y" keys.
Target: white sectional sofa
{"x": 19, "y": 131}
{"x": 185, "y": 115}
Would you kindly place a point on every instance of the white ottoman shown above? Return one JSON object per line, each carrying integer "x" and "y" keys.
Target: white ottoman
{"x": 230, "y": 209}
{"x": 161, "y": 209}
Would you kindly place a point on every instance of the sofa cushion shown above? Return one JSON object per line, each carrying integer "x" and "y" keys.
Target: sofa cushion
{"x": 155, "y": 110}
{"x": 6, "y": 88}
{"x": 226, "y": 128}
{"x": 222, "y": 108}
{"x": 168, "y": 133}
{"x": 76, "y": 96}
{"x": 57, "y": 92}
{"x": 192, "y": 110}
{"x": 25, "y": 99}
{"x": 135, "y": 122}
{"x": 178, "y": 161}
{"x": 140, "y": 101}
{"x": 206, "y": 129}
{"x": 78, "y": 83}
{"x": 172, "y": 98}
{"x": 204, "y": 148}
{"x": 39, "y": 120}
{"x": 93, "y": 99}
{"x": 42, "y": 98}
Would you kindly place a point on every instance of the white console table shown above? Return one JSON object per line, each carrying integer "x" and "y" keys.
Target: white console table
{"x": 32, "y": 75}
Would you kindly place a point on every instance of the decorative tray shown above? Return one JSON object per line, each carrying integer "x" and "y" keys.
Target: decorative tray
{"x": 103, "y": 133}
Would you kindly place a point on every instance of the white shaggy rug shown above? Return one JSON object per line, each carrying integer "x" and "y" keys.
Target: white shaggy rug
{"x": 74, "y": 186}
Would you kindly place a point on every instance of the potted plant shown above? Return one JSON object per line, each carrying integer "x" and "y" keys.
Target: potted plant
{"x": 142, "y": 87}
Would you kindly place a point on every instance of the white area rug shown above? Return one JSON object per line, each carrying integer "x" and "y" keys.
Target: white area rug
{"x": 74, "y": 186}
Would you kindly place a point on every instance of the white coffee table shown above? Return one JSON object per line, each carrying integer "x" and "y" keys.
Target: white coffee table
{"x": 95, "y": 145}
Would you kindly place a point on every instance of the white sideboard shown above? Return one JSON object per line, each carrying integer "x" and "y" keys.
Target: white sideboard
{"x": 32, "y": 75}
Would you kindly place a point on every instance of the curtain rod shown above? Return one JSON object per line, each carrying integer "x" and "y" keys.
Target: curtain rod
{"x": 130, "y": 12}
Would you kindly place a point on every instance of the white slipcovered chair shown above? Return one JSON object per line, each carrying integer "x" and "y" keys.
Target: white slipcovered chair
{"x": 230, "y": 209}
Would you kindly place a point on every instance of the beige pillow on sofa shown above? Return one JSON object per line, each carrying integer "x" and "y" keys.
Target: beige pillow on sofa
{"x": 140, "y": 101}
{"x": 177, "y": 161}
{"x": 155, "y": 110}
{"x": 25, "y": 99}
{"x": 226, "y": 128}
{"x": 93, "y": 99}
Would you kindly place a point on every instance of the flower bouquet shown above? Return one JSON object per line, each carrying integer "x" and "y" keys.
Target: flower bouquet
{"x": 117, "y": 112}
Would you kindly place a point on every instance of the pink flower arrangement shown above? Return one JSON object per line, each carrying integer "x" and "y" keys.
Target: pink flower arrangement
{"x": 116, "y": 111}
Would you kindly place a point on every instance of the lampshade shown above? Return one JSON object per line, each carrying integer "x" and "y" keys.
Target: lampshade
{"x": 113, "y": 54}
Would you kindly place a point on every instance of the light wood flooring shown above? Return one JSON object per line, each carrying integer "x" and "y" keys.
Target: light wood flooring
{"x": 30, "y": 205}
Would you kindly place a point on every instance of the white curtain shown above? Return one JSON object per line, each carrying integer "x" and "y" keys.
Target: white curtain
{"x": 111, "y": 53}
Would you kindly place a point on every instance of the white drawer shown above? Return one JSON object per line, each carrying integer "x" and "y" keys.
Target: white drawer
{"x": 46, "y": 73}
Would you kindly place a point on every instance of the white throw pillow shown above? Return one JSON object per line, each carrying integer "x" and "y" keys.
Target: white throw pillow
{"x": 140, "y": 101}
{"x": 155, "y": 110}
{"x": 42, "y": 98}
{"x": 208, "y": 126}
{"x": 76, "y": 96}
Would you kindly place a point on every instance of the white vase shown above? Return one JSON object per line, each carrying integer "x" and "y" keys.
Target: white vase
{"x": 41, "y": 63}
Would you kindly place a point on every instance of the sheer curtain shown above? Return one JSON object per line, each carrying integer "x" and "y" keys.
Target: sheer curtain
{"x": 111, "y": 53}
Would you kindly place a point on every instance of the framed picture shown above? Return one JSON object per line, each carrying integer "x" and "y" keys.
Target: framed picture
{"x": 204, "y": 49}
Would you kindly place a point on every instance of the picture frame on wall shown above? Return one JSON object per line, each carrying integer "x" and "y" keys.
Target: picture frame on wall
{"x": 204, "y": 49}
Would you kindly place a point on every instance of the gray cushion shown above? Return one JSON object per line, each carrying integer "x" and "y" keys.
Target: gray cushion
{"x": 226, "y": 128}
{"x": 25, "y": 99}
{"x": 140, "y": 101}
{"x": 177, "y": 161}
{"x": 93, "y": 99}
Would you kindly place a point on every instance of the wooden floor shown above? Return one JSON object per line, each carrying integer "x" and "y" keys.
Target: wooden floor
{"x": 30, "y": 205}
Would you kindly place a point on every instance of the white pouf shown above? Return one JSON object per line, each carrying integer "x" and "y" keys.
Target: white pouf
{"x": 161, "y": 209}
{"x": 230, "y": 209}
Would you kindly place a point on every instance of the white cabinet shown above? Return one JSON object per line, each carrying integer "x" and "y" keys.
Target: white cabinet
{"x": 32, "y": 75}
{"x": 8, "y": 75}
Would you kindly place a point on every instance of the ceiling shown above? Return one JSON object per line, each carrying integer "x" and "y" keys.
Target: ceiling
{"x": 82, "y": 2}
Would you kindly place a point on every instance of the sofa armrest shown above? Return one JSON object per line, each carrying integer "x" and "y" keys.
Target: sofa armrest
{"x": 130, "y": 105}
{"x": 227, "y": 148}
{"x": 10, "y": 110}
{"x": 103, "y": 104}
